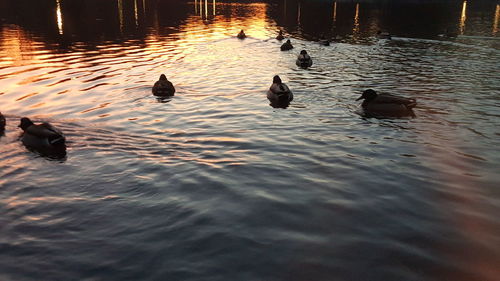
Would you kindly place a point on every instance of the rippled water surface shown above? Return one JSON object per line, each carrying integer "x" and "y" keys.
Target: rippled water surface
{"x": 214, "y": 183}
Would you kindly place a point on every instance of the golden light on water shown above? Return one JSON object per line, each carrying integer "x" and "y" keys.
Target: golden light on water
{"x": 463, "y": 17}
{"x": 135, "y": 14}
{"x": 120, "y": 14}
{"x": 334, "y": 11}
{"x": 497, "y": 18}
{"x": 355, "y": 29}
{"x": 59, "y": 17}
{"x": 213, "y": 7}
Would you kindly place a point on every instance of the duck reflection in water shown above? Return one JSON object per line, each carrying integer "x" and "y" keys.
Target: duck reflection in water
{"x": 43, "y": 138}
{"x": 385, "y": 105}
{"x": 163, "y": 87}
{"x": 279, "y": 94}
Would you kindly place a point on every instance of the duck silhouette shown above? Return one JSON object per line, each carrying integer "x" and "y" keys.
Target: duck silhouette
{"x": 386, "y": 105}
{"x": 163, "y": 87}
{"x": 286, "y": 46}
{"x": 304, "y": 60}
{"x": 383, "y": 35}
{"x": 279, "y": 94}
{"x": 241, "y": 35}
{"x": 280, "y": 36}
{"x": 2, "y": 123}
{"x": 43, "y": 138}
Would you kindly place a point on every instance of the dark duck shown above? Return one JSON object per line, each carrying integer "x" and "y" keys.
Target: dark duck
{"x": 43, "y": 138}
{"x": 304, "y": 60}
{"x": 2, "y": 123}
{"x": 279, "y": 94}
{"x": 163, "y": 87}
{"x": 241, "y": 35}
{"x": 286, "y": 46}
{"x": 280, "y": 36}
{"x": 386, "y": 105}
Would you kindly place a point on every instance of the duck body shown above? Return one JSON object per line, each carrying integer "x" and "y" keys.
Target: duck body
{"x": 386, "y": 104}
{"x": 2, "y": 123}
{"x": 241, "y": 35}
{"x": 279, "y": 94}
{"x": 383, "y": 35}
{"x": 43, "y": 138}
{"x": 163, "y": 87}
{"x": 286, "y": 46}
{"x": 303, "y": 60}
{"x": 280, "y": 36}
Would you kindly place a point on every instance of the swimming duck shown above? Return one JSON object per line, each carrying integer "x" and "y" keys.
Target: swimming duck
{"x": 241, "y": 35}
{"x": 42, "y": 134}
{"x": 286, "y": 46}
{"x": 279, "y": 94}
{"x": 323, "y": 41}
{"x": 163, "y": 87}
{"x": 280, "y": 36}
{"x": 2, "y": 123}
{"x": 383, "y": 35}
{"x": 386, "y": 105}
{"x": 304, "y": 60}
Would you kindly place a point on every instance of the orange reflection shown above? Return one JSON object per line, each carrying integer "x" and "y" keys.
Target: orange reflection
{"x": 497, "y": 18}
{"x": 120, "y": 14}
{"x": 17, "y": 46}
{"x": 463, "y": 17}
{"x": 334, "y": 11}
{"x": 59, "y": 17}
{"x": 355, "y": 30}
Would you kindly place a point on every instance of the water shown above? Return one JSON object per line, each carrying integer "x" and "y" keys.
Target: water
{"x": 215, "y": 184}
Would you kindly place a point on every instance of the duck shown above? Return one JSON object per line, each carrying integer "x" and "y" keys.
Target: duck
{"x": 286, "y": 46}
{"x": 383, "y": 35}
{"x": 163, "y": 87}
{"x": 323, "y": 41}
{"x": 279, "y": 94}
{"x": 241, "y": 35}
{"x": 43, "y": 134}
{"x": 2, "y": 123}
{"x": 304, "y": 60}
{"x": 386, "y": 105}
{"x": 280, "y": 36}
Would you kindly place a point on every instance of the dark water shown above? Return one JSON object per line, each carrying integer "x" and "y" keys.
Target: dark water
{"x": 214, "y": 184}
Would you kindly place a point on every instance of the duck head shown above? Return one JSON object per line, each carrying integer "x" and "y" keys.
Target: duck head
{"x": 303, "y": 52}
{"x": 368, "y": 95}
{"x": 288, "y": 41}
{"x": 163, "y": 77}
{"x": 276, "y": 79}
{"x": 25, "y": 123}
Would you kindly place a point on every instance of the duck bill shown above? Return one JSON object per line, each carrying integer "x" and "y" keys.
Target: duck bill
{"x": 360, "y": 98}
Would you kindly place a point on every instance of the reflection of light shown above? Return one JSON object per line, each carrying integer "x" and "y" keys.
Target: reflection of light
{"x": 463, "y": 17}
{"x": 120, "y": 13}
{"x": 195, "y": 7}
{"x": 497, "y": 18}
{"x": 298, "y": 15}
{"x": 59, "y": 17}
{"x": 356, "y": 20}
{"x": 135, "y": 13}
{"x": 201, "y": 7}
{"x": 334, "y": 11}
{"x": 206, "y": 9}
{"x": 213, "y": 7}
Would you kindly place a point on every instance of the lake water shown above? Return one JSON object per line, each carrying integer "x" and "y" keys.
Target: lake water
{"x": 214, "y": 183}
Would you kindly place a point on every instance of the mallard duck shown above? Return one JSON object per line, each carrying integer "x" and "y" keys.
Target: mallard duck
{"x": 2, "y": 123}
{"x": 163, "y": 87}
{"x": 304, "y": 60}
{"x": 43, "y": 134}
{"x": 241, "y": 35}
{"x": 280, "y": 36}
{"x": 385, "y": 104}
{"x": 279, "y": 94}
{"x": 383, "y": 35}
{"x": 286, "y": 46}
